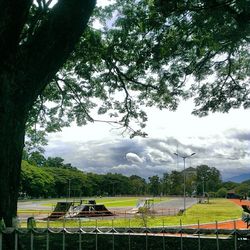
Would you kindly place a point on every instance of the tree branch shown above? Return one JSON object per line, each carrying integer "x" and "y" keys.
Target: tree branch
{"x": 13, "y": 15}
{"x": 43, "y": 55}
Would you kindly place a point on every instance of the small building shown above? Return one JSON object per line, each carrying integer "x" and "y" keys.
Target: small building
{"x": 232, "y": 195}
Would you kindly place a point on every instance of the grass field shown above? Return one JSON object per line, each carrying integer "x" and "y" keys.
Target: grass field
{"x": 108, "y": 202}
{"x": 216, "y": 210}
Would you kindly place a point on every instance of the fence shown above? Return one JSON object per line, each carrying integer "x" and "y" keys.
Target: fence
{"x": 117, "y": 213}
{"x": 129, "y": 238}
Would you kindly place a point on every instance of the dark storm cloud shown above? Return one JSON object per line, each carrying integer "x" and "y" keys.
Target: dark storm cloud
{"x": 241, "y": 135}
{"x": 149, "y": 156}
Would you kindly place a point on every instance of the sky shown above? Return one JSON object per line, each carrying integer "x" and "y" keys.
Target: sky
{"x": 218, "y": 140}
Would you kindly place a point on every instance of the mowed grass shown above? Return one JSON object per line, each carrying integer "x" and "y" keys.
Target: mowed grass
{"x": 124, "y": 202}
{"x": 216, "y": 210}
{"x": 111, "y": 202}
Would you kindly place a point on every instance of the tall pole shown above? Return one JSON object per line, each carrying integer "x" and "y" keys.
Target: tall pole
{"x": 203, "y": 187}
{"x": 69, "y": 188}
{"x": 184, "y": 181}
{"x": 184, "y": 178}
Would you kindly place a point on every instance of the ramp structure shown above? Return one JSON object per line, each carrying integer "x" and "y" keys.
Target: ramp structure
{"x": 61, "y": 210}
{"x": 84, "y": 208}
{"x": 91, "y": 209}
{"x": 142, "y": 205}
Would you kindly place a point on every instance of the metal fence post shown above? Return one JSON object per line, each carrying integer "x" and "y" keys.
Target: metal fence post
{"x": 163, "y": 236}
{"x": 63, "y": 240}
{"x": 217, "y": 236}
{"x": 113, "y": 236}
{"x": 16, "y": 240}
{"x": 129, "y": 237}
{"x": 181, "y": 235}
{"x": 47, "y": 240}
{"x": 1, "y": 241}
{"x": 31, "y": 240}
{"x": 80, "y": 240}
{"x": 80, "y": 234}
{"x": 96, "y": 237}
{"x": 235, "y": 236}
{"x": 199, "y": 237}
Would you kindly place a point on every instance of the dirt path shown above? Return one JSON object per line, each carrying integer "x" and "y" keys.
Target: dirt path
{"x": 238, "y": 224}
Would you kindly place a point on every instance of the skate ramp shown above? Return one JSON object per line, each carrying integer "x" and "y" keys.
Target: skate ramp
{"x": 91, "y": 210}
{"x": 145, "y": 203}
{"x": 61, "y": 210}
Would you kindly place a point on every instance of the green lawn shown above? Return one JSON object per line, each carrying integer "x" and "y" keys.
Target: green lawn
{"x": 124, "y": 201}
{"x": 109, "y": 202}
{"x": 216, "y": 210}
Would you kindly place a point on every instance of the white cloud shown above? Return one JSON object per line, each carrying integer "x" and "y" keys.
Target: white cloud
{"x": 219, "y": 140}
{"x": 134, "y": 158}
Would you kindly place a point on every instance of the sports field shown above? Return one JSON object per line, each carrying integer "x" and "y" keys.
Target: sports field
{"x": 216, "y": 210}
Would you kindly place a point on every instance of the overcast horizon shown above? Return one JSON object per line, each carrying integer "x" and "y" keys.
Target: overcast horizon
{"x": 219, "y": 140}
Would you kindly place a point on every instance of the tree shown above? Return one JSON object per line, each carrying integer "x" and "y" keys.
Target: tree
{"x": 36, "y": 182}
{"x": 165, "y": 183}
{"x": 176, "y": 180}
{"x": 243, "y": 189}
{"x": 230, "y": 185}
{"x": 154, "y": 185}
{"x": 176, "y": 40}
{"x": 137, "y": 185}
{"x": 36, "y": 158}
{"x": 145, "y": 55}
{"x": 55, "y": 162}
{"x": 35, "y": 42}
{"x": 208, "y": 178}
{"x": 222, "y": 192}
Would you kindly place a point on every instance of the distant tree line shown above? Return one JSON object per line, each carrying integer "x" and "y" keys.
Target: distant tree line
{"x": 51, "y": 177}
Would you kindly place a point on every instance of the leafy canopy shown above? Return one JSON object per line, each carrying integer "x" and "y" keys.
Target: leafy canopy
{"x": 152, "y": 52}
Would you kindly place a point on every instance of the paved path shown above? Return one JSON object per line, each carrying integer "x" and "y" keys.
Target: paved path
{"x": 176, "y": 203}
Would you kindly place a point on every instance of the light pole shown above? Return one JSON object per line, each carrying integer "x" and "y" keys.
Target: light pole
{"x": 69, "y": 188}
{"x": 203, "y": 187}
{"x": 184, "y": 157}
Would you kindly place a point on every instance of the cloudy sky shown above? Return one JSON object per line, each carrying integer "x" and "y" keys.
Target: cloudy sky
{"x": 219, "y": 140}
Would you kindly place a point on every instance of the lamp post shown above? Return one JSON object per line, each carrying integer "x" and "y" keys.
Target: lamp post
{"x": 69, "y": 189}
{"x": 203, "y": 187}
{"x": 184, "y": 157}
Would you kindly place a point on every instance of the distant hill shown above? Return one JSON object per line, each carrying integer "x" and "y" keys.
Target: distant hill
{"x": 239, "y": 178}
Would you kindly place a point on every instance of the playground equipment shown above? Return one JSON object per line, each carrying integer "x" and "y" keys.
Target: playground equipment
{"x": 144, "y": 205}
{"x": 84, "y": 208}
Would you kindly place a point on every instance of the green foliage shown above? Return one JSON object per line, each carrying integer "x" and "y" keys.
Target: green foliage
{"x": 229, "y": 185}
{"x": 56, "y": 179}
{"x": 154, "y": 185}
{"x": 151, "y": 53}
{"x": 66, "y": 179}
{"x": 242, "y": 189}
{"x": 222, "y": 192}
{"x": 36, "y": 182}
{"x": 176, "y": 183}
{"x": 210, "y": 177}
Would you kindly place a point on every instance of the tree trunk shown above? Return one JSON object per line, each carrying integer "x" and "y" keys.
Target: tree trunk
{"x": 12, "y": 130}
{"x": 26, "y": 67}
